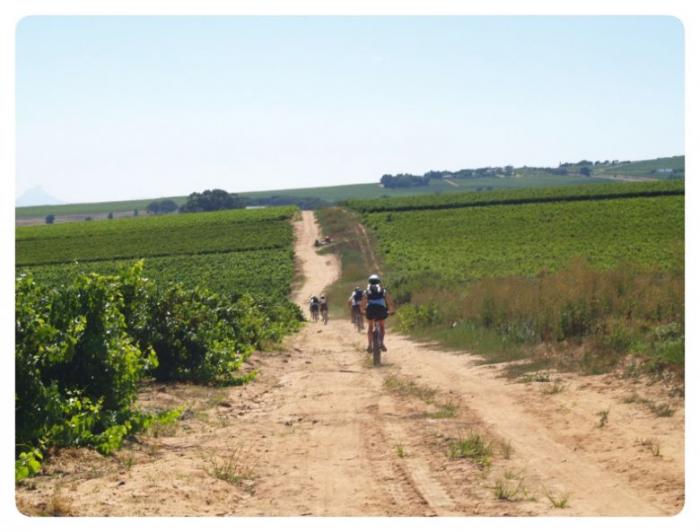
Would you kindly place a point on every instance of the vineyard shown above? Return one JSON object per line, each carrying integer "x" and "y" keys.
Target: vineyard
{"x": 154, "y": 236}
{"x": 520, "y": 196}
{"x": 504, "y": 240}
{"x": 101, "y": 306}
{"x": 597, "y": 268}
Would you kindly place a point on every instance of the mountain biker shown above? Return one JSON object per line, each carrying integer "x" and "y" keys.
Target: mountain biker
{"x": 376, "y": 305}
{"x": 314, "y": 304}
{"x": 354, "y": 301}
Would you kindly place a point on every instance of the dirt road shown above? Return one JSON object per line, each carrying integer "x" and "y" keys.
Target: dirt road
{"x": 321, "y": 432}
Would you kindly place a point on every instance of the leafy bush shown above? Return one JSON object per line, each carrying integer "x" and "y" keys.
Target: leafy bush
{"x": 76, "y": 368}
{"x": 83, "y": 347}
{"x": 412, "y": 317}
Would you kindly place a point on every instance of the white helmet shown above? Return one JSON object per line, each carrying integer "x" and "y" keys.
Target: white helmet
{"x": 374, "y": 279}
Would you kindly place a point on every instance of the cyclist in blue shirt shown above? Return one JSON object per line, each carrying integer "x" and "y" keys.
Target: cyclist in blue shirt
{"x": 377, "y": 305}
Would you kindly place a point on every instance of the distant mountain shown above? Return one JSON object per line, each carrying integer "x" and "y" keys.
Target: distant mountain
{"x": 36, "y": 196}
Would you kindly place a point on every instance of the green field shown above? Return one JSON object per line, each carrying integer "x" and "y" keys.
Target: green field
{"x": 647, "y": 168}
{"x": 230, "y": 252}
{"x": 518, "y": 196}
{"x": 524, "y": 178}
{"x": 92, "y": 321}
{"x": 41, "y": 211}
{"x": 505, "y": 240}
{"x": 576, "y": 278}
{"x": 332, "y": 194}
{"x": 187, "y": 234}
{"x": 264, "y": 273}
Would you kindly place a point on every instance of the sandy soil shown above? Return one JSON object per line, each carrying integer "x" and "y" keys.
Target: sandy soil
{"x": 321, "y": 432}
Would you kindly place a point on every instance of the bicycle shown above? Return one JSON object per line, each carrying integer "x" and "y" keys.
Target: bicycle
{"x": 376, "y": 346}
{"x": 357, "y": 320}
{"x": 377, "y": 343}
{"x": 314, "y": 313}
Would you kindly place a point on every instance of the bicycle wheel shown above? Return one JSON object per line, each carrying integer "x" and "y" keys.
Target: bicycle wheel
{"x": 359, "y": 321}
{"x": 376, "y": 346}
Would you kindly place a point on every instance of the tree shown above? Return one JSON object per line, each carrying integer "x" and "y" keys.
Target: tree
{"x": 435, "y": 174}
{"x": 212, "y": 200}
{"x": 404, "y": 181}
{"x": 110, "y": 215}
{"x": 585, "y": 170}
{"x": 50, "y": 218}
{"x": 161, "y": 206}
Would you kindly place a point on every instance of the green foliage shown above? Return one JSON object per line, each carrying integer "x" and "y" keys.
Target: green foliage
{"x": 138, "y": 237}
{"x": 212, "y": 200}
{"x": 496, "y": 241}
{"x": 83, "y": 347}
{"x": 226, "y": 273}
{"x": 200, "y": 336}
{"x": 600, "y": 274}
{"x": 28, "y": 464}
{"x": 518, "y": 196}
{"x": 474, "y": 447}
{"x": 411, "y": 317}
{"x": 162, "y": 206}
{"x": 648, "y": 168}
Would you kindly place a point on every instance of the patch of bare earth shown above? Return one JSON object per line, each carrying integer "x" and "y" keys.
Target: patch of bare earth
{"x": 321, "y": 432}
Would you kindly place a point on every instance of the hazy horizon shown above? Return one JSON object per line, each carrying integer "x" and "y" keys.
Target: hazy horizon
{"x": 118, "y": 108}
{"x": 58, "y": 201}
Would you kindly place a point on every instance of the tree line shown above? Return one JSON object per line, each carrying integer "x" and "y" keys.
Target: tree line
{"x": 403, "y": 180}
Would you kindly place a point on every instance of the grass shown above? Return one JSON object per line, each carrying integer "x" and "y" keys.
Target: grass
{"x": 558, "y": 500}
{"x": 506, "y": 449}
{"x": 511, "y": 488}
{"x": 553, "y": 388}
{"x": 407, "y": 387}
{"x": 603, "y": 418}
{"x": 659, "y": 409}
{"x": 400, "y": 451}
{"x": 536, "y": 377}
{"x": 445, "y": 410}
{"x": 570, "y": 320}
{"x": 59, "y": 505}
{"x": 232, "y": 469}
{"x": 653, "y": 445}
{"x": 474, "y": 448}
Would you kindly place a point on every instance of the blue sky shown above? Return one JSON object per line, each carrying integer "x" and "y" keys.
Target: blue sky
{"x": 112, "y": 108}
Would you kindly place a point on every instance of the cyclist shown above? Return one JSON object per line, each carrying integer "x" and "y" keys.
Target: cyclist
{"x": 376, "y": 305}
{"x": 354, "y": 302}
{"x": 323, "y": 301}
{"x": 313, "y": 307}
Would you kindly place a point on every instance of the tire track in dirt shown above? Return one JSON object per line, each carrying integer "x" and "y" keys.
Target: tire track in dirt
{"x": 366, "y": 248}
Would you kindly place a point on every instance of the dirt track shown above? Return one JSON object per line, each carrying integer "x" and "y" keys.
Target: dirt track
{"x": 320, "y": 433}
